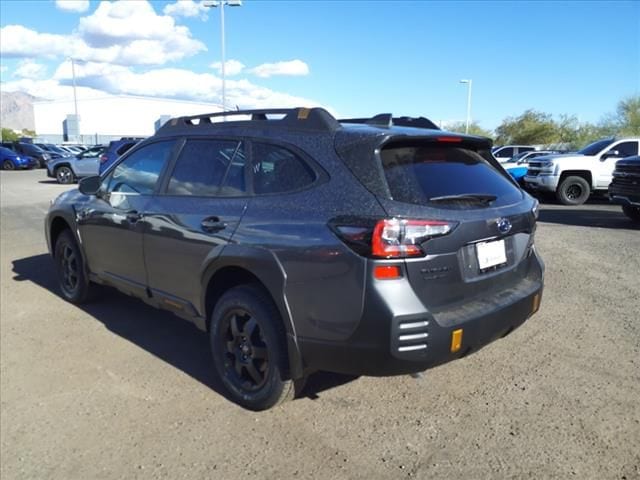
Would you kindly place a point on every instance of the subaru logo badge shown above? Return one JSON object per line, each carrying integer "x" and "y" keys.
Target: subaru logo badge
{"x": 504, "y": 225}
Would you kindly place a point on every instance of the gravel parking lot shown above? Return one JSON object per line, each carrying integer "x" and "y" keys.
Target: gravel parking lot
{"x": 117, "y": 389}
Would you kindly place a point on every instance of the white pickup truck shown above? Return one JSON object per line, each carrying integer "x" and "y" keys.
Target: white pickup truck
{"x": 574, "y": 176}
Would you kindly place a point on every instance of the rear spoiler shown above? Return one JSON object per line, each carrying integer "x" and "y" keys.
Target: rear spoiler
{"x": 387, "y": 120}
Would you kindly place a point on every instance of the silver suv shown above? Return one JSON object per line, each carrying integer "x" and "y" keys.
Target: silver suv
{"x": 68, "y": 169}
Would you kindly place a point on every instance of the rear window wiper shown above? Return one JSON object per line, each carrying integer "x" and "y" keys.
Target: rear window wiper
{"x": 465, "y": 197}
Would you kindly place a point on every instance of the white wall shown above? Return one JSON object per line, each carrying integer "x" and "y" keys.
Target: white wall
{"x": 114, "y": 115}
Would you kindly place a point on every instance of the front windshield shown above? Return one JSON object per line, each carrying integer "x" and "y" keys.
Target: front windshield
{"x": 595, "y": 147}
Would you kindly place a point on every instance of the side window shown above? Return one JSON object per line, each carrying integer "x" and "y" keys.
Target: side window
{"x": 505, "y": 153}
{"x": 627, "y": 149}
{"x": 139, "y": 172}
{"x": 525, "y": 149}
{"x": 277, "y": 170}
{"x": 209, "y": 167}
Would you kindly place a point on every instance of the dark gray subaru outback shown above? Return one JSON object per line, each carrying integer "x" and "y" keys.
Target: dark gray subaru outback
{"x": 300, "y": 243}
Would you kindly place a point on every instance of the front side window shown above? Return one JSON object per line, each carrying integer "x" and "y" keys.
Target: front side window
{"x": 278, "y": 170}
{"x": 139, "y": 172}
{"x": 209, "y": 168}
{"x": 626, "y": 149}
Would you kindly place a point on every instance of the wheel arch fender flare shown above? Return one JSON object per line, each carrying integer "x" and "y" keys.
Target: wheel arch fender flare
{"x": 54, "y": 219}
{"x": 264, "y": 265}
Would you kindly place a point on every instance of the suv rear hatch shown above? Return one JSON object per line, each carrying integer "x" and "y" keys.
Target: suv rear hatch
{"x": 467, "y": 229}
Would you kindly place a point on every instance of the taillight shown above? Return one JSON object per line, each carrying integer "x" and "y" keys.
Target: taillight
{"x": 103, "y": 158}
{"x": 389, "y": 238}
{"x": 398, "y": 238}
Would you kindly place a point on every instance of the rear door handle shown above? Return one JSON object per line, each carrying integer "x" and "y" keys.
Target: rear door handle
{"x": 212, "y": 224}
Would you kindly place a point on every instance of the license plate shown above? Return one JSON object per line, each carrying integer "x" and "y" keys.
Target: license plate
{"x": 491, "y": 254}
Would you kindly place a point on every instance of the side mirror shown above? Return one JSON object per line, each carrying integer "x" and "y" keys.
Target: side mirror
{"x": 90, "y": 185}
{"x": 611, "y": 154}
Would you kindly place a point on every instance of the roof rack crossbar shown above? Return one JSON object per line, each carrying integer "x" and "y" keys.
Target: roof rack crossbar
{"x": 303, "y": 118}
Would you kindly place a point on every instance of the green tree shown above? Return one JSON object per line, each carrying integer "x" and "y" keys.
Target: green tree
{"x": 9, "y": 135}
{"x": 626, "y": 120}
{"x": 474, "y": 129}
{"x": 28, "y": 133}
{"x": 530, "y": 128}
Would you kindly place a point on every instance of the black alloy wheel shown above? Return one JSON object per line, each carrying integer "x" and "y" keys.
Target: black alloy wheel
{"x": 248, "y": 344}
{"x": 69, "y": 270}
{"x": 64, "y": 175}
{"x": 573, "y": 190}
{"x": 246, "y": 351}
{"x": 632, "y": 212}
{"x": 8, "y": 165}
{"x": 72, "y": 279}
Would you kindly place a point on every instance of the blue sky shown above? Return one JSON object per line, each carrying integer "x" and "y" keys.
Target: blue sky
{"x": 361, "y": 57}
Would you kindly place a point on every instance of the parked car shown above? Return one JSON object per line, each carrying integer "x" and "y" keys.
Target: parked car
{"x": 518, "y": 165}
{"x": 68, "y": 169}
{"x": 574, "y": 177}
{"x": 507, "y": 152}
{"x": 10, "y": 160}
{"x": 53, "y": 150}
{"x": 305, "y": 243}
{"x": 29, "y": 150}
{"x": 625, "y": 187}
{"x": 115, "y": 149}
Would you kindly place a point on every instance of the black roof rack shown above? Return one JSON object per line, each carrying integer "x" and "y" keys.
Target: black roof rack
{"x": 387, "y": 120}
{"x": 300, "y": 118}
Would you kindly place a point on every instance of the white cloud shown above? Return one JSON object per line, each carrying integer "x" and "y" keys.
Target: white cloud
{"x": 231, "y": 67}
{"x": 186, "y": 8}
{"x": 291, "y": 67}
{"x": 18, "y": 41}
{"x": 122, "y": 21}
{"x": 30, "y": 69}
{"x": 73, "y": 5}
{"x": 170, "y": 83}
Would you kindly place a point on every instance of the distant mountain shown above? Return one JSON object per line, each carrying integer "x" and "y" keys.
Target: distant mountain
{"x": 16, "y": 110}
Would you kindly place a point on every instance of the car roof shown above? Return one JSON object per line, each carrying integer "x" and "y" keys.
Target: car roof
{"x": 309, "y": 120}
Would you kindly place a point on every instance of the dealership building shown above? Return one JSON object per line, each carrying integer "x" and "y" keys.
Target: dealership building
{"x": 109, "y": 117}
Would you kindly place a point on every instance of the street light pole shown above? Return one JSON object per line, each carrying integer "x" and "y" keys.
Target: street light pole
{"x": 75, "y": 97}
{"x": 469, "y": 83}
{"x": 221, "y": 4}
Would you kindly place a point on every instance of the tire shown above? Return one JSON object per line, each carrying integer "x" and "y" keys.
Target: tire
{"x": 73, "y": 282}
{"x": 573, "y": 191}
{"x": 64, "y": 175}
{"x": 248, "y": 345}
{"x": 632, "y": 212}
{"x": 8, "y": 165}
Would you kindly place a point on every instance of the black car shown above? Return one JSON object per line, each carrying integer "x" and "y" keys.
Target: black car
{"x": 301, "y": 243}
{"x": 625, "y": 188}
{"x": 29, "y": 150}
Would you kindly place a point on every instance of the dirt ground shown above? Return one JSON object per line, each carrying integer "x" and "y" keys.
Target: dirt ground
{"x": 117, "y": 389}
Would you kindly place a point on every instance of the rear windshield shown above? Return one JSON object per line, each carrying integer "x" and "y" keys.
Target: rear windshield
{"x": 427, "y": 174}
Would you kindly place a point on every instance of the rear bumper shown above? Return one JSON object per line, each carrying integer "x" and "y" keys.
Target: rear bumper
{"x": 393, "y": 340}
